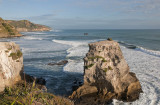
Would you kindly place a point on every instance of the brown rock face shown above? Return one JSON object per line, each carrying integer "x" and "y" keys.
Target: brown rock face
{"x": 7, "y": 30}
{"x": 106, "y": 69}
{"x": 11, "y": 64}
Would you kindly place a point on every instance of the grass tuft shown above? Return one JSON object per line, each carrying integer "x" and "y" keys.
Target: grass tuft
{"x": 19, "y": 95}
{"x": 16, "y": 55}
{"x": 89, "y": 66}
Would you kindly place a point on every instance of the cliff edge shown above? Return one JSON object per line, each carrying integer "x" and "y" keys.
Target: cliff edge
{"x": 27, "y": 26}
{"x": 106, "y": 76}
{"x": 15, "y": 90}
{"x": 7, "y": 30}
{"x": 11, "y": 64}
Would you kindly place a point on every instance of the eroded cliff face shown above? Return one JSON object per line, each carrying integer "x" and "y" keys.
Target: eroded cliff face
{"x": 107, "y": 75}
{"x": 27, "y": 26}
{"x": 11, "y": 64}
{"x": 7, "y": 30}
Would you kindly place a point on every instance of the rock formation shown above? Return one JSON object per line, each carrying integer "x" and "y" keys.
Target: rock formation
{"x": 63, "y": 62}
{"x": 7, "y": 30}
{"x": 106, "y": 76}
{"x": 25, "y": 26}
{"x": 11, "y": 64}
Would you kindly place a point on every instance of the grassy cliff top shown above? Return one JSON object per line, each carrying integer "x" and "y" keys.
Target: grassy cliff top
{"x": 24, "y": 93}
{"x": 7, "y": 30}
{"x": 27, "y": 24}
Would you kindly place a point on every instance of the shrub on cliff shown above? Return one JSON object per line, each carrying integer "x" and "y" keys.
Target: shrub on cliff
{"x": 109, "y": 39}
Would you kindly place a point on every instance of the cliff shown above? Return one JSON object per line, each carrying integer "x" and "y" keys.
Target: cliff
{"x": 25, "y": 26}
{"x": 7, "y": 30}
{"x": 17, "y": 88}
{"x": 106, "y": 76}
{"x": 11, "y": 64}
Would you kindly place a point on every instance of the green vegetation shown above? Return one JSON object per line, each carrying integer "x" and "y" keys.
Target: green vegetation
{"x": 106, "y": 69}
{"x": 104, "y": 60}
{"x": 19, "y": 54}
{"x": 26, "y": 24}
{"x": 6, "y": 51}
{"x": 110, "y": 68}
{"x": 109, "y": 39}
{"x": 28, "y": 94}
{"x": 89, "y": 66}
{"x": 8, "y": 28}
{"x": 16, "y": 55}
{"x": 10, "y": 48}
{"x": 96, "y": 57}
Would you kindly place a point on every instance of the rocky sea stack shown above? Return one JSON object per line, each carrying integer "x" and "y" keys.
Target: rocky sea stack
{"x": 7, "y": 30}
{"x": 106, "y": 76}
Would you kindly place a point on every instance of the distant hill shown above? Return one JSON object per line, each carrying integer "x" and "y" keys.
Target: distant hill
{"x": 7, "y": 30}
{"x": 27, "y": 26}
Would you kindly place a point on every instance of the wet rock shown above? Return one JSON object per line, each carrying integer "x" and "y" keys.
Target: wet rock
{"x": 76, "y": 84}
{"x": 59, "y": 63}
{"x": 31, "y": 79}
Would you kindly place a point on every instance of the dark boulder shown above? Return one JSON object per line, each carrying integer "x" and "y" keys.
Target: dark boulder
{"x": 59, "y": 63}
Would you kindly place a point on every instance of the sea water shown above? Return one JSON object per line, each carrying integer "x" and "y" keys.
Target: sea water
{"x": 141, "y": 49}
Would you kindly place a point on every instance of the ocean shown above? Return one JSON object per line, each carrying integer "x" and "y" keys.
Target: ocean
{"x": 141, "y": 49}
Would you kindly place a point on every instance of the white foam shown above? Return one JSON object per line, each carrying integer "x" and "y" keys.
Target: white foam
{"x": 77, "y": 48}
{"x": 32, "y": 38}
{"x": 74, "y": 66}
{"x": 146, "y": 67}
{"x": 56, "y": 30}
{"x": 37, "y": 33}
{"x": 152, "y": 52}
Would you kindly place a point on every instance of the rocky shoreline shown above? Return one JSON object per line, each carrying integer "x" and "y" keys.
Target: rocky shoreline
{"x": 106, "y": 74}
{"x": 19, "y": 88}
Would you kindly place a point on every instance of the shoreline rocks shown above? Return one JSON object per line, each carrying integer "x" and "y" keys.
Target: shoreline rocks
{"x": 106, "y": 76}
{"x": 63, "y": 62}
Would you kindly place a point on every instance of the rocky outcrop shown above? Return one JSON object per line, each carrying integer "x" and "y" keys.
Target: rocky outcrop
{"x": 11, "y": 64}
{"x": 63, "y": 62}
{"x": 27, "y": 26}
{"x": 7, "y": 30}
{"x": 106, "y": 76}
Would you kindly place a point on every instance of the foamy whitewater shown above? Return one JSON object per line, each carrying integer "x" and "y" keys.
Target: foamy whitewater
{"x": 142, "y": 57}
{"x": 144, "y": 64}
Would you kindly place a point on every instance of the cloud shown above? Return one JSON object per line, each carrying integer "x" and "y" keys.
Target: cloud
{"x": 126, "y": 6}
{"x": 42, "y": 17}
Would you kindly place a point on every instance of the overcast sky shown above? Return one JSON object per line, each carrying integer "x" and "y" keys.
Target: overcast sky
{"x": 85, "y": 14}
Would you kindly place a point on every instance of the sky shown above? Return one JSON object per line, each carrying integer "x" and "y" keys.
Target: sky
{"x": 85, "y": 14}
